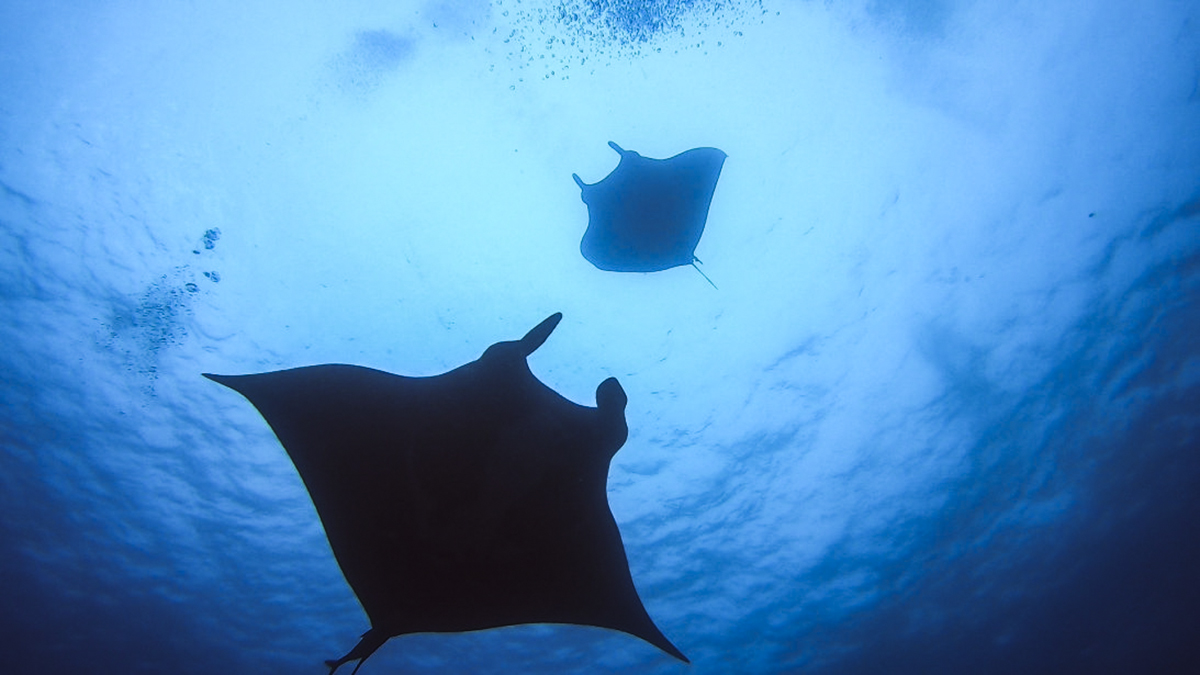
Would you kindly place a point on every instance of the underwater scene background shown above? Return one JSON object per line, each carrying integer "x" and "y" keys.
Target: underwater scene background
{"x": 941, "y": 415}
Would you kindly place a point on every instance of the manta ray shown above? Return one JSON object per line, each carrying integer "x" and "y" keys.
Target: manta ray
{"x": 464, "y": 501}
{"x": 648, "y": 214}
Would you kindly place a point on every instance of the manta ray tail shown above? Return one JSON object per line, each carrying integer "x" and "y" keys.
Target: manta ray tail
{"x": 710, "y": 281}
{"x": 371, "y": 640}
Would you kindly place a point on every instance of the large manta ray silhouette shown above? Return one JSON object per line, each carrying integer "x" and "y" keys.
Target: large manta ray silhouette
{"x": 469, "y": 500}
{"x": 648, "y": 214}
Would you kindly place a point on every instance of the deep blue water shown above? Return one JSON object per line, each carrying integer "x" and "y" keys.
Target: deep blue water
{"x": 941, "y": 416}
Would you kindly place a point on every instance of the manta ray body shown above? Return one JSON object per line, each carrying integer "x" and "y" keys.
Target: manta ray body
{"x": 464, "y": 501}
{"x": 648, "y": 214}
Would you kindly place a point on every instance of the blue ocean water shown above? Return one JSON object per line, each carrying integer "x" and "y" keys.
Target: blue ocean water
{"x": 941, "y": 415}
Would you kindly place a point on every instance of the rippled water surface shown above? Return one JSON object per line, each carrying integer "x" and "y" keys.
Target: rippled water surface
{"x": 941, "y": 415}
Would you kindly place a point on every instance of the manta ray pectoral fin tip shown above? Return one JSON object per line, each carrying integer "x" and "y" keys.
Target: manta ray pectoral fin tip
{"x": 224, "y": 380}
{"x": 670, "y": 648}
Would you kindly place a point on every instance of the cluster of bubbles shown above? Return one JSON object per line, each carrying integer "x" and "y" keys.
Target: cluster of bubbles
{"x": 550, "y": 37}
{"x": 158, "y": 320}
{"x": 160, "y": 309}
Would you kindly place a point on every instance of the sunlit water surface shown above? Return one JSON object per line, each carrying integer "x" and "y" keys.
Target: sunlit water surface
{"x": 940, "y": 416}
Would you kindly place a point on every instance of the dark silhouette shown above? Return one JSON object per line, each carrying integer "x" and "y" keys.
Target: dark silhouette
{"x": 469, "y": 500}
{"x": 648, "y": 214}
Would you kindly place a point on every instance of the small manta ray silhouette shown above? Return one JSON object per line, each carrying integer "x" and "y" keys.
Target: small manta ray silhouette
{"x": 464, "y": 501}
{"x": 648, "y": 214}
